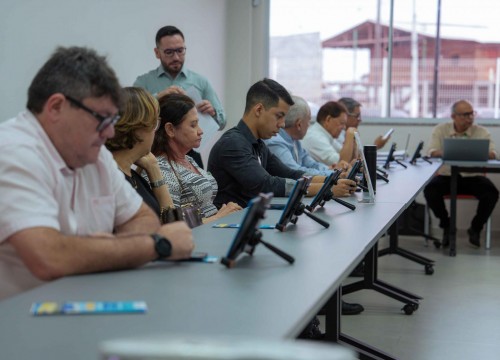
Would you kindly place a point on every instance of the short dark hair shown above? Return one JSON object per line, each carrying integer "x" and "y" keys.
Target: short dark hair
{"x": 140, "y": 111}
{"x": 78, "y": 72}
{"x": 173, "y": 109}
{"x": 331, "y": 108}
{"x": 349, "y": 103}
{"x": 268, "y": 93}
{"x": 168, "y": 30}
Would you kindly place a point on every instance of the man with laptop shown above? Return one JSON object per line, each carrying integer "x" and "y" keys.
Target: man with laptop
{"x": 442, "y": 145}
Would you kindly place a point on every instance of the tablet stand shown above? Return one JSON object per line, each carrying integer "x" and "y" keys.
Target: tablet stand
{"x": 298, "y": 209}
{"x": 329, "y": 196}
{"x": 257, "y": 238}
{"x": 392, "y": 158}
{"x": 425, "y": 158}
{"x": 382, "y": 177}
{"x": 249, "y": 235}
{"x": 382, "y": 174}
{"x": 345, "y": 203}
{"x": 418, "y": 154}
{"x": 382, "y": 171}
{"x": 301, "y": 209}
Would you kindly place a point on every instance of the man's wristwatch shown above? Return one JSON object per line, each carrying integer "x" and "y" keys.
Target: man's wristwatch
{"x": 163, "y": 247}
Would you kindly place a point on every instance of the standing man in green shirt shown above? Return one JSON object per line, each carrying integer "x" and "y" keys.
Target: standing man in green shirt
{"x": 172, "y": 76}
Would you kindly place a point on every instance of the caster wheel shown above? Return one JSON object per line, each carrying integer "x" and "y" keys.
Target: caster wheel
{"x": 429, "y": 269}
{"x": 437, "y": 244}
{"x": 408, "y": 309}
{"x": 415, "y": 307}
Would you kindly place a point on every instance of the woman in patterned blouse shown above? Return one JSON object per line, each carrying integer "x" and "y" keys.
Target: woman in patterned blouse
{"x": 179, "y": 133}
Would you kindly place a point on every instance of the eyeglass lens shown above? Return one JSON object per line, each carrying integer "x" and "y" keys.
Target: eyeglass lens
{"x": 104, "y": 122}
{"x": 171, "y": 52}
{"x": 468, "y": 114}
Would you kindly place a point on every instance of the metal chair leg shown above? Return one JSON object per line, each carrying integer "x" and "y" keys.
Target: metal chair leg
{"x": 488, "y": 233}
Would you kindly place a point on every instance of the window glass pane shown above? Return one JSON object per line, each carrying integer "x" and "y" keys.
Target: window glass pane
{"x": 324, "y": 50}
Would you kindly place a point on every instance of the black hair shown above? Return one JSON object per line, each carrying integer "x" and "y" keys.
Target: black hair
{"x": 332, "y": 108}
{"x": 78, "y": 72}
{"x": 173, "y": 109}
{"x": 268, "y": 93}
{"x": 168, "y": 30}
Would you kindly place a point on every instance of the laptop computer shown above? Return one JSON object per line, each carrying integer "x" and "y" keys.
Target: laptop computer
{"x": 463, "y": 149}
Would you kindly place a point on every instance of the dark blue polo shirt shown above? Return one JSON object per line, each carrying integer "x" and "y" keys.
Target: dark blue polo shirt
{"x": 244, "y": 167}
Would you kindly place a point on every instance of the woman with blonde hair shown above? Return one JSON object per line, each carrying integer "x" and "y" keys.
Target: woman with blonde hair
{"x": 131, "y": 146}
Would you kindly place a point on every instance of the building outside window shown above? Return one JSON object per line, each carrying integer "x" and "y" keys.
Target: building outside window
{"x": 325, "y": 50}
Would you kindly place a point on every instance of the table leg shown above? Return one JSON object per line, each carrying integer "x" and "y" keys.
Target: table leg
{"x": 334, "y": 334}
{"x": 395, "y": 249}
{"x": 453, "y": 210}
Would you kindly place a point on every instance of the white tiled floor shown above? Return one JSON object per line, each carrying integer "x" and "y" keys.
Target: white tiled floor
{"x": 459, "y": 317}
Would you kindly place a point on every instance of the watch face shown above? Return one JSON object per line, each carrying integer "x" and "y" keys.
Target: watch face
{"x": 162, "y": 246}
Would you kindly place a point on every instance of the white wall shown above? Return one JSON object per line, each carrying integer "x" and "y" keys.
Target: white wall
{"x": 30, "y": 30}
{"x": 227, "y": 41}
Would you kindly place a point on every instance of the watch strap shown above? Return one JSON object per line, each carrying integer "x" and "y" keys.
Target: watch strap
{"x": 157, "y": 184}
{"x": 163, "y": 246}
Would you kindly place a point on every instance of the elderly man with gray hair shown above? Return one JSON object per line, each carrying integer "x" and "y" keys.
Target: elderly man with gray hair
{"x": 286, "y": 145}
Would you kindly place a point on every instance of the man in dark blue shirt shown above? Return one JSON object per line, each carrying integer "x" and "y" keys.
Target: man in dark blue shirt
{"x": 240, "y": 161}
{"x": 243, "y": 165}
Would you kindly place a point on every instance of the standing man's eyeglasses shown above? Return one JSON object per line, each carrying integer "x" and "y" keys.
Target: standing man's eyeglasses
{"x": 170, "y": 52}
{"x": 104, "y": 122}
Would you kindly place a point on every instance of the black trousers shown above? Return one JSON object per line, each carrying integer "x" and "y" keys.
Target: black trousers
{"x": 478, "y": 186}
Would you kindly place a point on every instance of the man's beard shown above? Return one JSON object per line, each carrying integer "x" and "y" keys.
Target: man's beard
{"x": 170, "y": 70}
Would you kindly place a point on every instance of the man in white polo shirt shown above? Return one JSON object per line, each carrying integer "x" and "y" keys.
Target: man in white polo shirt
{"x": 65, "y": 207}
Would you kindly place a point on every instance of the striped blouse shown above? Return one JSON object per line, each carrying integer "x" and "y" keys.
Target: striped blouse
{"x": 189, "y": 187}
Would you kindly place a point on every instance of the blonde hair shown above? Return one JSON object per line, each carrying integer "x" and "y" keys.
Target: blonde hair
{"x": 140, "y": 111}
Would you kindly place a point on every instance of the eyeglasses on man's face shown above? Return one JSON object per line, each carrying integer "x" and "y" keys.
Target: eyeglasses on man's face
{"x": 356, "y": 116}
{"x": 104, "y": 121}
{"x": 467, "y": 114}
{"x": 170, "y": 52}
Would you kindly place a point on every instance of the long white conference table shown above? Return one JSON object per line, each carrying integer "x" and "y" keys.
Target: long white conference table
{"x": 262, "y": 297}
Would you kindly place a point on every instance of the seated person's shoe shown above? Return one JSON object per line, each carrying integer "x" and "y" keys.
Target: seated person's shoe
{"x": 446, "y": 237}
{"x": 312, "y": 331}
{"x": 351, "y": 309}
{"x": 474, "y": 237}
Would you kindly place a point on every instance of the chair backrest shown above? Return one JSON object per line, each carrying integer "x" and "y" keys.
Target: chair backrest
{"x": 462, "y": 197}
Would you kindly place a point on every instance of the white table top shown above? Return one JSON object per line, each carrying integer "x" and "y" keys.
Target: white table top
{"x": 263, "y": 296}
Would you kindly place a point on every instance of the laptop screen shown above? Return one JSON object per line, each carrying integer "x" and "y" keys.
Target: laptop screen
{"x": 466, "y": 149}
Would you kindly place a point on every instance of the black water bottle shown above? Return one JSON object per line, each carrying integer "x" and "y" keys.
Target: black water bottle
{"x": 370, "y": 152}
